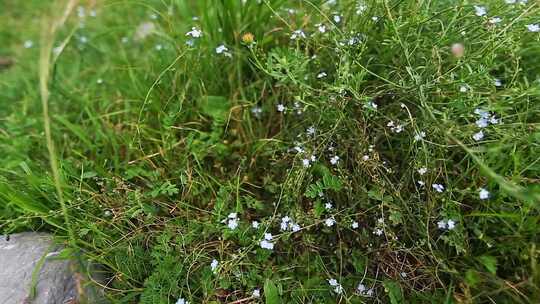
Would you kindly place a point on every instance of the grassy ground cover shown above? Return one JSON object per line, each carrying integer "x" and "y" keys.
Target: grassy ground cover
{"x": 273, "y": 151}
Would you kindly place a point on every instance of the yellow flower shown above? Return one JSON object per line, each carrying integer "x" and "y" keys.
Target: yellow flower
{"x": 248, "y": 38}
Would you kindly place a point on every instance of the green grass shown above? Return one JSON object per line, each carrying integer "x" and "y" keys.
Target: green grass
{"x": 158, "y": 142}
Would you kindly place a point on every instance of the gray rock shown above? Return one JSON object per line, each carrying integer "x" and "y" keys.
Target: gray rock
{"x": 20, "y": 255}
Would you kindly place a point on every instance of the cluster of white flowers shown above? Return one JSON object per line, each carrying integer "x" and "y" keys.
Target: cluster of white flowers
{"x": 364, "y": 291}
{"x": 334, "y": 160}
{"x": 214, "y": 265}
{"x": 446, "y": 224}
{"x": 298, "y": 108}
{"x": 379, "y": 229}
{"x": 256, "y": 293}
{"x": 223, "y": 50}
{"x": 267, "y": 243}
{"x": 232, "y": 221}
{"x": 182, "y": 301}
{"x": 195, "y": 32}
{"x": 298, "y": 34}
{"x": 533, "y": 27}
{"x": 329, "y": 222}
{"x": 360, "y": 8}
{"x": 306, "y": 162}
{"x": 321, "y": 28}
{"x": 288, "y": 224}
{"x": 336, "y": 286}
{"x": 396, "y": 128}
{"x": 485, "y": 118}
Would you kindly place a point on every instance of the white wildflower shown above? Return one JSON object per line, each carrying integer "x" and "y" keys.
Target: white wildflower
{"x": 478, "y": 136}
{"x": 256, "y": 293}
{"x": 256, "y": 111}
{"x": 422, "y": 171}
{"x": 337, "y": 287}
{"x": 266, "y": 245}
{"x": 438, "y": 187}
{"x": 297, "y": 35}
{"x": 495, "y": 20}
{"x": 214, "y": 265}
{"x": 354, "y": 225}
{"x": 371, "y": 104}
{"x": 329, "y": 222}
{"x": 533, "y": 27}
{"x": 195, "y": 33}
{"x": 484, "y": 194}
{"x": 222, "y": 49}
{"x": 280, "y": 107}
{"x": 480, "y": 10}
{"x": 255, "y": 224}
{"x": 378, "y": 231}
{"x": 321, "y": 75}
{"x": 232, "y": 221}
{"x": 360, "y": 9}
{"x": 182, "y": 301}
{"x": 482, "y": 123}
{"x": 420, "y": 136}
{"x": 334, "y": 160}
{"x": 321, "y": 28}
{"x": 28, "y": 44}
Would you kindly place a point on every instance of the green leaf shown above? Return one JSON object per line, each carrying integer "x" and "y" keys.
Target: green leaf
{"x": 472, "y": 278}
{"x": 271, "y": 292}
{"x": 216, "y": 107}
{"x": 489, "y": 262}
{"x": 394, "y": 292}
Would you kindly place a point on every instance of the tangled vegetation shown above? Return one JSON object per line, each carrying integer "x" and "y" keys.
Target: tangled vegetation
{"x": 272, "y": 151}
